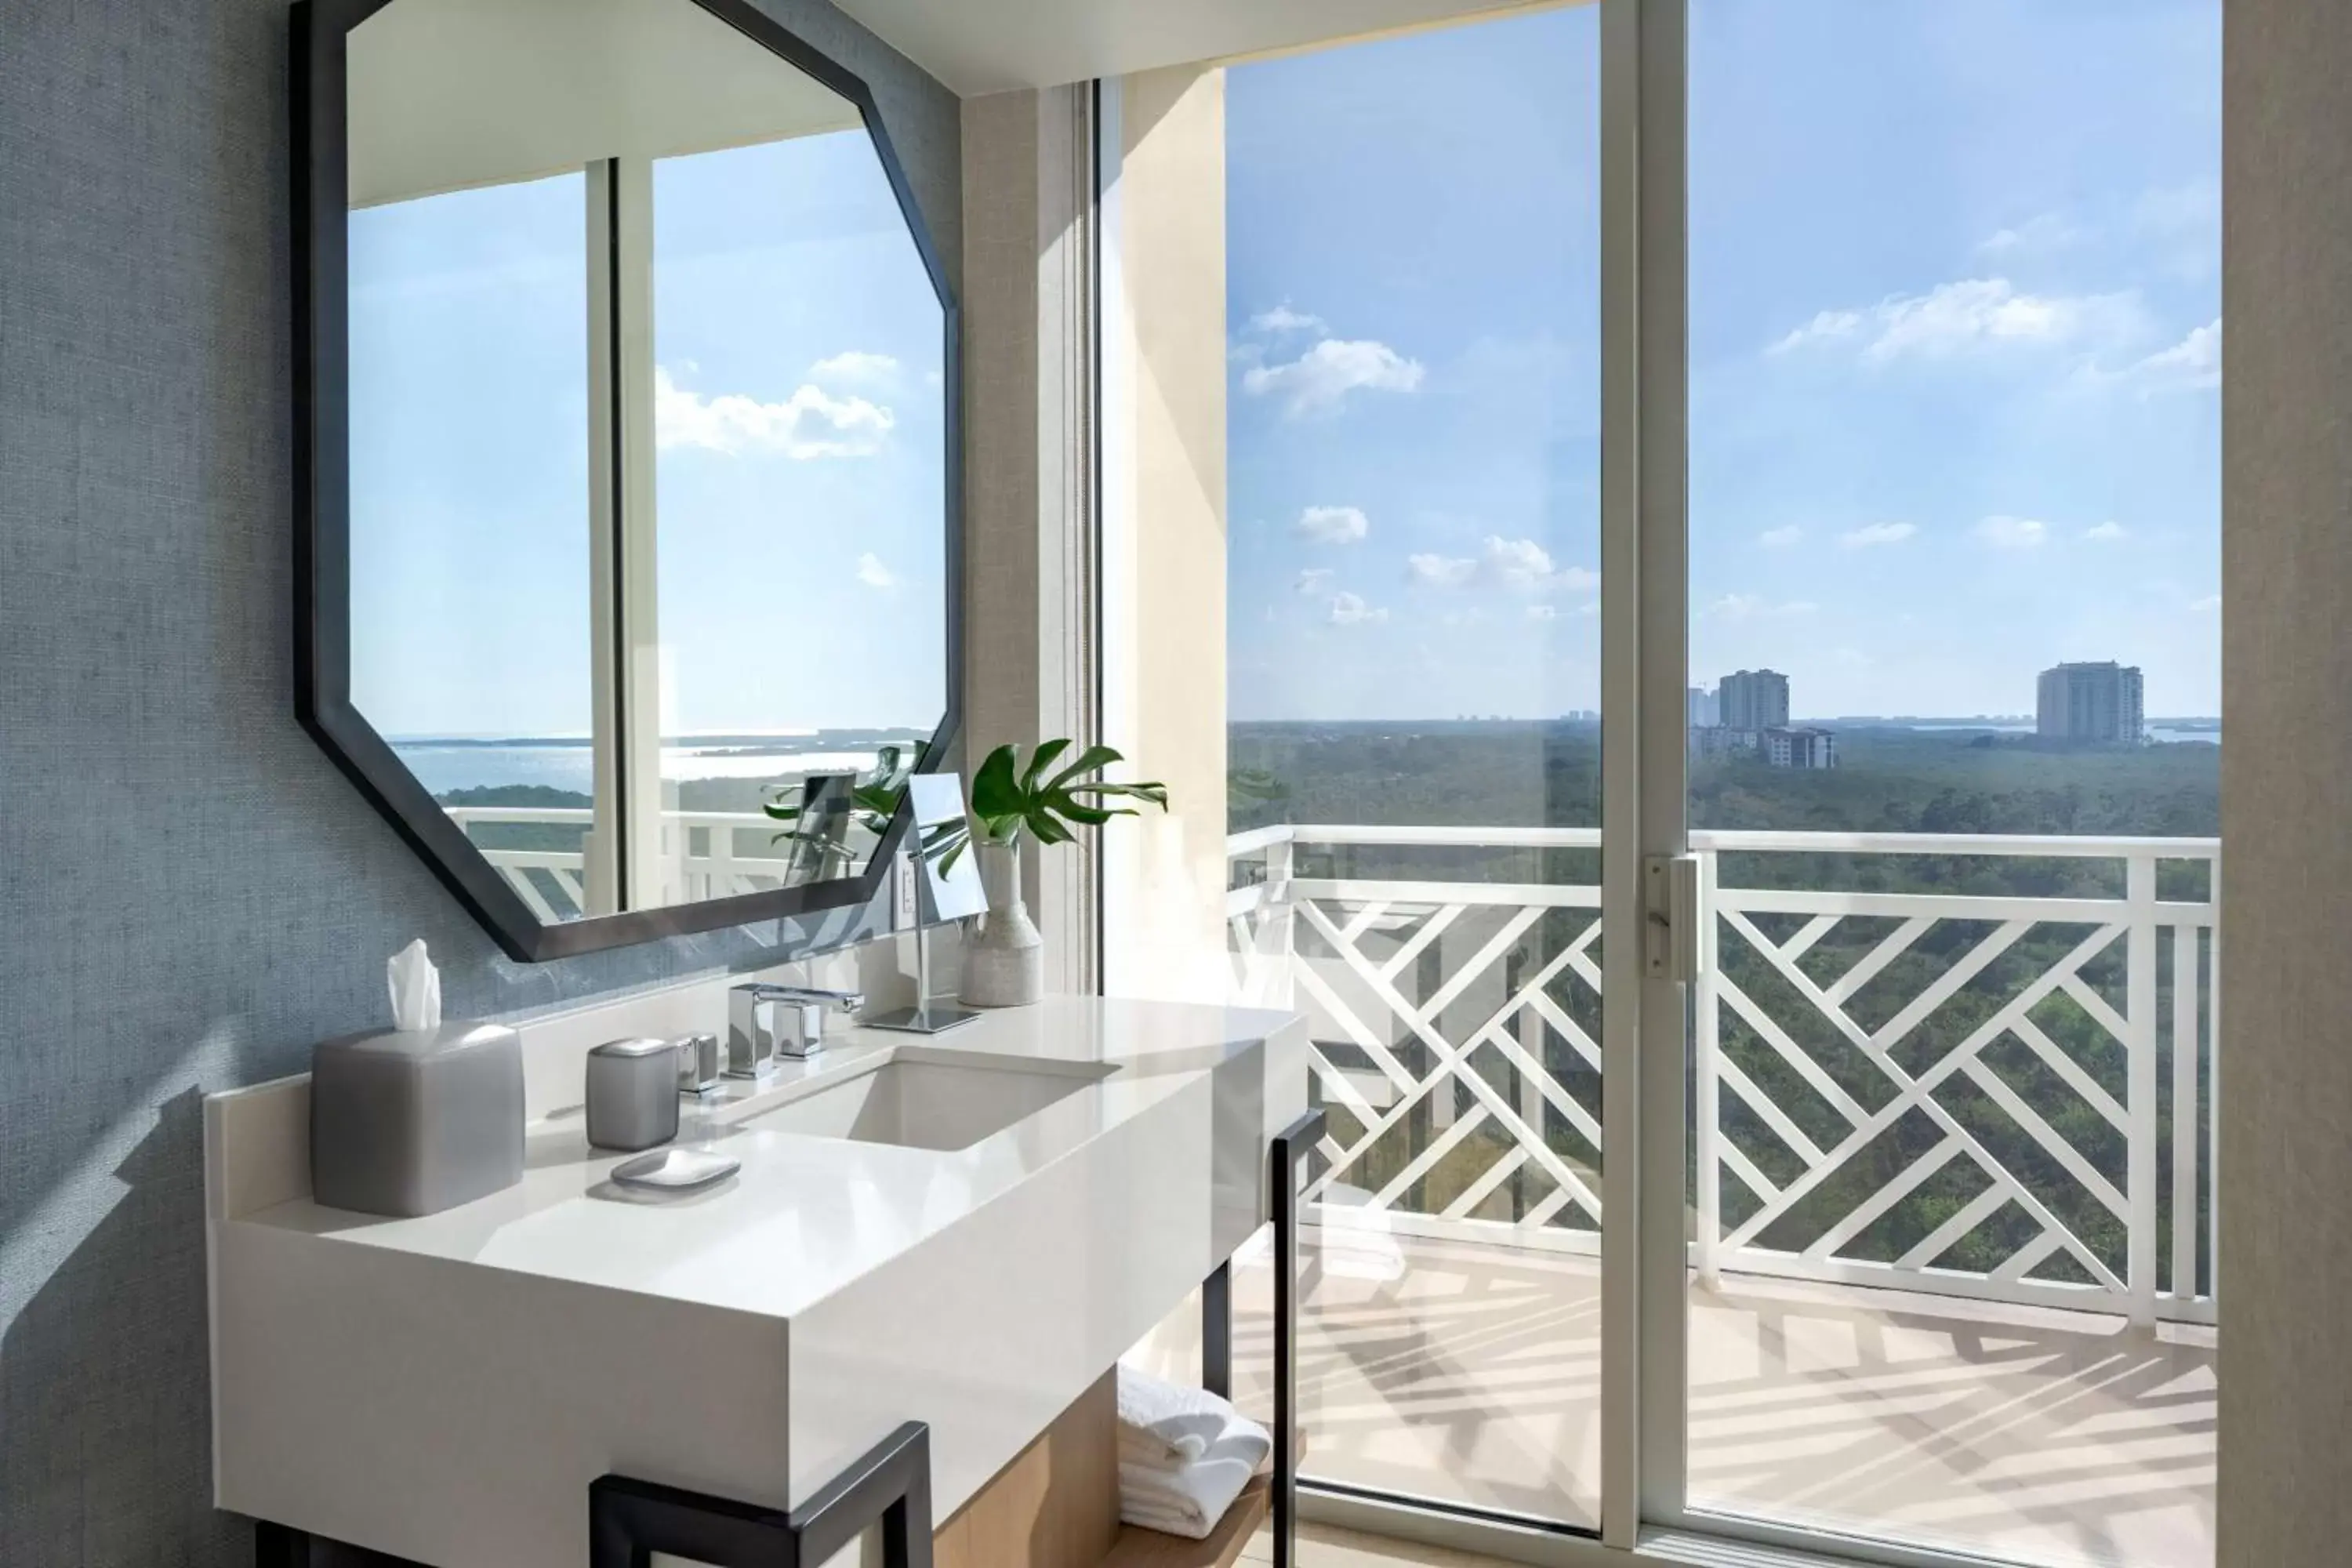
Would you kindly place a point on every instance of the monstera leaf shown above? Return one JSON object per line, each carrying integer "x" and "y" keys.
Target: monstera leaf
{"x": 1009, "y": 797}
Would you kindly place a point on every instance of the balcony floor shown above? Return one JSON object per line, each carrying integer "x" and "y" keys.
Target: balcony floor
{"x": 1470, "y": 1374}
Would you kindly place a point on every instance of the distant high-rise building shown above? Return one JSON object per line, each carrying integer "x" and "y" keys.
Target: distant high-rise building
{"x": 1753, "y": 700}
{"x": 1705, "y": 712}
{"x": 1799, "y": 748}
{"x": 2097, "y": 702}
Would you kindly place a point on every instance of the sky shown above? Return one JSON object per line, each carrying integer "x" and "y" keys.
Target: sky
{"x": 1955, "y": 336}
{"x": 799, "y": 460}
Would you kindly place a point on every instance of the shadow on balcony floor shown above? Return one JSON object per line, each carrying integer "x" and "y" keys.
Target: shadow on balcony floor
{"x": 1469, "y": 1373}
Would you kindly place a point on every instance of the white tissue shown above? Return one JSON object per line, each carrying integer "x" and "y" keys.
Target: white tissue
{"x": 415, "y": 987}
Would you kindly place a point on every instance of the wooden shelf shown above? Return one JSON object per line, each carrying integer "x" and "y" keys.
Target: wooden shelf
{"x": 1139, "y": 1548}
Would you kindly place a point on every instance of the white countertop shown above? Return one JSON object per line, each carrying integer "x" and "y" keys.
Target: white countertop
{"x": 371, "y": 1375}
{"x": 805, "y": 1215}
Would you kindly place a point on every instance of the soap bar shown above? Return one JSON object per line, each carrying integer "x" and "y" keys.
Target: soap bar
{"x": 413, "y": 1122}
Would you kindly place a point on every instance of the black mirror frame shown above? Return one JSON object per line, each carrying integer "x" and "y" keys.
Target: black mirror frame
{"x": 323, "y": 697}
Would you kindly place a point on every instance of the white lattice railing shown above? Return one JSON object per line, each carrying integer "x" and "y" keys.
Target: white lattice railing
{"x": 702, "y": 856}
{"x": 1970, "y": 1090}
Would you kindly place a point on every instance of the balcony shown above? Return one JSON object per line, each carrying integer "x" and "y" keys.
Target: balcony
{"x": 1951, "y": 1241}
{"x": 1951, "y": 1231}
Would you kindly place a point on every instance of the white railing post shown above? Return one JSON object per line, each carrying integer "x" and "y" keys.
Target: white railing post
{"x": 2139, "y": 1017}
{"x": 2186, "y": 1016}
{"x": 2213, "y": 1088}
{"x": 1707, "y": 1114}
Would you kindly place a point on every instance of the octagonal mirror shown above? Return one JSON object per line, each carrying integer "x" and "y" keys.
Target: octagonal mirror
{"x": 629, "y": 523}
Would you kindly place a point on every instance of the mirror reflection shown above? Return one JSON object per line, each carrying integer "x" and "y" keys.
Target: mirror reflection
{"x": 648, "y": 444}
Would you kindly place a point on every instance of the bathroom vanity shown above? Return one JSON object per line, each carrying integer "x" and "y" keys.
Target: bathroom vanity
{"x": 963, "y": 1233}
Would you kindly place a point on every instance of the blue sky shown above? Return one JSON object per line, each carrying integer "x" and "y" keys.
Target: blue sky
{"x": 1955, "y": 341}
{"x": 799, "y": 461}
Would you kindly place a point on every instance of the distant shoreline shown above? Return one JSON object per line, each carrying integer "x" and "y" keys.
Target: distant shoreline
{"x": 816, "y": 741}
{"x": 1995, "y": 723}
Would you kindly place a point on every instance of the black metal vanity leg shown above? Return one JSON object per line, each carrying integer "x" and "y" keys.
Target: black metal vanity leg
{"x": 907, "y": 1523}
{"x": 278, "y": 1546}
{"x": 1217, "y": 1331}
{"x": 1291, "y": 1147}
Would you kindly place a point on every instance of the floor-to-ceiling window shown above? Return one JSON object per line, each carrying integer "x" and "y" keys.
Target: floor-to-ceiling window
{"x": 1939, "y": 1256}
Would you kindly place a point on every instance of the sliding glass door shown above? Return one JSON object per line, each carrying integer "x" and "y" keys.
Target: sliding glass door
{"x": 1818, "y": 399}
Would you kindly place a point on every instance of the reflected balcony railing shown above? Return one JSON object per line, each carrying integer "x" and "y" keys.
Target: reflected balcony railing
{"x": 542, "y": 852}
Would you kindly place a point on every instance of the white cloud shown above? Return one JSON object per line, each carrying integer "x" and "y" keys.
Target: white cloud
{"x": 2192, "y": 364}
{"x": 2106, "y": 532}
{"x": 1753, "y": 606}
{"x": 811, "y": 423}
{"x": 1521, "y": 565}
{"x": 1442, "y": 570}
{"x": 1518, "y": 562}
{"x": 873, "y": 573}
{"x": 1283, "y": 318}
{"x": 1333, "y": 524}
{"x": 1780, "y": 538}
{"x": 1315, "y": 580}
{"x": 2037, "y": 236}
{"x": 1349, "y": 610}
{"x": 1876, "y": 533}
{"x": 1969, "y": 315}
{"x": 857, "y": 367}
{"x": 1542, "y": 613}
{"x": 2206, "y": 606}
{"x": 1318, "y": 380}
{"x": 2003, "y": 533}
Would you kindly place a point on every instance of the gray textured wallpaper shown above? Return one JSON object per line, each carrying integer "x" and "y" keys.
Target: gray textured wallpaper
{"x": 190, "y": 895}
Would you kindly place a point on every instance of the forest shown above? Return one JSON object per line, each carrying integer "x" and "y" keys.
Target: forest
{"x": 1891, "y": 780}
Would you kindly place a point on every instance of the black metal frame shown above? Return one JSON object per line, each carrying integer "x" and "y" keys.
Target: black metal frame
{"x": 1289, "y": 1152}
{"x": 323, "y": 694}
{"x": 628, "y": 1521}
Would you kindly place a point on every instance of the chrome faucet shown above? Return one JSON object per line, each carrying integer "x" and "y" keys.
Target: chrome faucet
{"x": 767, "y": 1023}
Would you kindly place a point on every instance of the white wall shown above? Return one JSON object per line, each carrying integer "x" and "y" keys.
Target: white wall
{"x": 1163, "y": 599}
{"x": 2287, "y": 789}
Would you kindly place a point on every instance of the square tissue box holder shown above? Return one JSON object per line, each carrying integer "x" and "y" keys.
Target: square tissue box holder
{"x": 413, "y": 1121}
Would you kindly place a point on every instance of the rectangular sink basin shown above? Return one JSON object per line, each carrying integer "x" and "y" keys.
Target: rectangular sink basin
{"x": 931, "y": 1104}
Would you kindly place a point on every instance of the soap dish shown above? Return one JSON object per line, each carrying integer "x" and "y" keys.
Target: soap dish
{"x": 676, "y": 1170}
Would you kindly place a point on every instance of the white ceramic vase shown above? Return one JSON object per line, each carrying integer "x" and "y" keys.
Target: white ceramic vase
{"x": 1004, "y": 962}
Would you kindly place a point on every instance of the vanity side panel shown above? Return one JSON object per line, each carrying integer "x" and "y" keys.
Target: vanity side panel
{"x": 1049, "y": 1285}
{"x": 455, "y": 1415}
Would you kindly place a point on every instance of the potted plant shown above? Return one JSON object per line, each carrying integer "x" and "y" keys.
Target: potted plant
{"x": 1004, "y": 963}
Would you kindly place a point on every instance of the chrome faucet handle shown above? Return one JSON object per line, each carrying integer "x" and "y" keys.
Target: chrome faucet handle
{"x": 699, "y": 1064}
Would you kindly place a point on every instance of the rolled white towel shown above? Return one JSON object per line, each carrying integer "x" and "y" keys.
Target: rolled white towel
{"x": 1187, "y": 1501}
{"x": 1165, "y": 1522}
{"x": 1184, "y": 1455}
{"x": 1162, "y": 1424}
